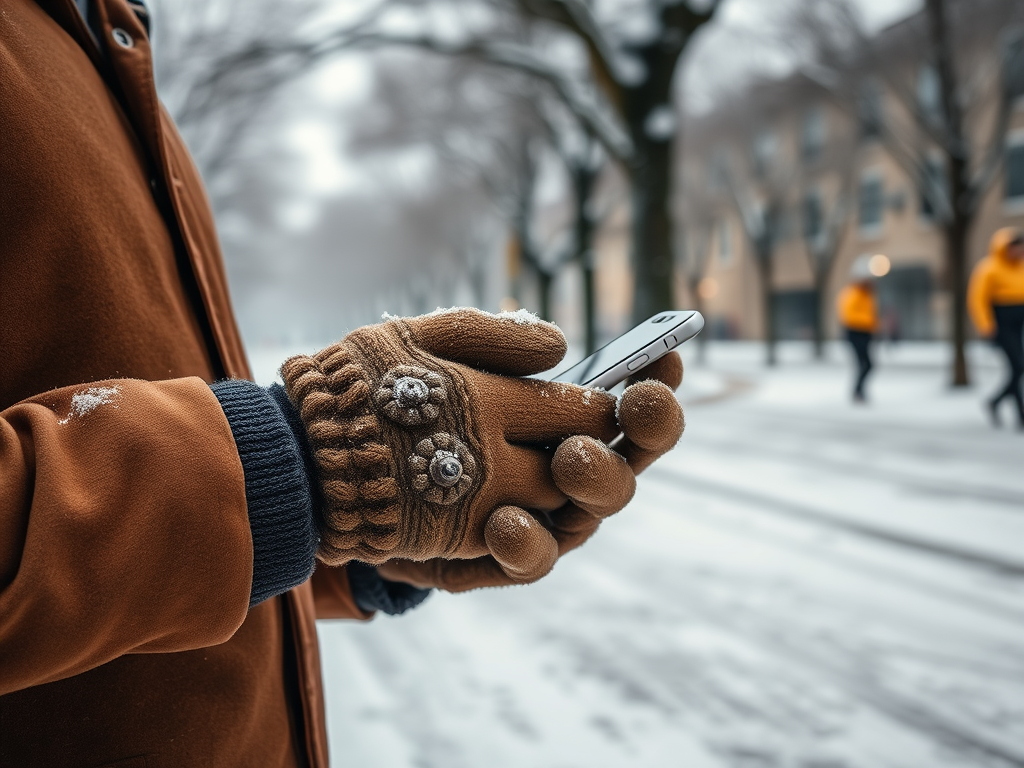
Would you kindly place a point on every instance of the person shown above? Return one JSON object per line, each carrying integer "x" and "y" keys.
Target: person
{"x": 858, "y": 315}
{"x": 169, "y": 531}
{"x": 995, "y": 298}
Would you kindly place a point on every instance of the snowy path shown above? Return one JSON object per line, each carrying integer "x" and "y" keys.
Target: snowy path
{"x": 801, "y": 583}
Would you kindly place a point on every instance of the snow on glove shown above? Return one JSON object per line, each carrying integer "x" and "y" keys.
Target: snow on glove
{"x": 597, "y": 481}
{"x": 425, "y": 445}
{"x": 429, "y": 453}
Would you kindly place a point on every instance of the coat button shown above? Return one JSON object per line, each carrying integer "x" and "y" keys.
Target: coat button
{"x": 122, "y": 38}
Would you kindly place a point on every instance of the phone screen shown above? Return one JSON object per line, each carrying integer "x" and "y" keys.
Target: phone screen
{"x": 634, "y": 349}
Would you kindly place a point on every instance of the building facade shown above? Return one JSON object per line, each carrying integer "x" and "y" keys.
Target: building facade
{"x": 786, "y": 184}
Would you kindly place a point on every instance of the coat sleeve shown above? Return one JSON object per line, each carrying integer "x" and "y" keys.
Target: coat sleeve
{"x": 979, "y": 300}
{"x": 123, "y": 527}
{"x": 332, "y": 595}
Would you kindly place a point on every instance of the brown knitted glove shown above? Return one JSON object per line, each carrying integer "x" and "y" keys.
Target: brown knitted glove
{"x": 429, "y": 453}
{"x": 587, "y": 472}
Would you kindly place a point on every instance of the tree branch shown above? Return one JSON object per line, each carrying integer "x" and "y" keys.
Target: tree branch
{"x": 611, "y": 135}
{"x": 575, "y": 16}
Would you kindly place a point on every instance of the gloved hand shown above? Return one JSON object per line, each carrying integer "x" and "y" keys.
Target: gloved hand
{"x": 587, "y": 472}
{"x": 429, "y": 453}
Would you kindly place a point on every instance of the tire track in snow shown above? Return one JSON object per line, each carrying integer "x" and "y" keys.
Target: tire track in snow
{"x": 930, "y": 487}
{"x": 974, "y": 600}
{"x": 904, "y": 438}
{"x": 903, "y": 709}
{"x": 796, "y": 698}
{"x": 985, "y": 561}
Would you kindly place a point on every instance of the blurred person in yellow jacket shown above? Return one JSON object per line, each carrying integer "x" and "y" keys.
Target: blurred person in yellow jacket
{"x": 858, "y": 314}
{"x": 995, "y": 298}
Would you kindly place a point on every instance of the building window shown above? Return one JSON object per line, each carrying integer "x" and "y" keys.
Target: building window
{"x": 724, "y": 243}
{"x": 786, "y": 226}
{"x": 717, "y": 169}
{"x": 763, "y": 153}
{"x": 812, "y": 215}
{"x": 936, "y": 176}
{"x": 1013, "y": 68}
{"x": 929, "y": 92}
{"x": 812, "y": 134}
{"x": 871, "y": 204}
{"x": 869, "y": 110}
{"x": 1015, "y": 169}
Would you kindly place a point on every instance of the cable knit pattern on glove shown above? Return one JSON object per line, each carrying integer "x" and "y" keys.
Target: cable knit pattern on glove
{"x": 356, "y": 469}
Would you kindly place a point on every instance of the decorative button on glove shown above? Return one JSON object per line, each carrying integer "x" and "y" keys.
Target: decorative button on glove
{"x": 429, "y": 451}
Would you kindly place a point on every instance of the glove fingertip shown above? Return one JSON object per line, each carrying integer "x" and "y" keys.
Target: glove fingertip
{"x": 650, "y": 416}
{"x": 510, "y": 343}
{"x": 592, "y": 475}
{"x": 523, "y": 548}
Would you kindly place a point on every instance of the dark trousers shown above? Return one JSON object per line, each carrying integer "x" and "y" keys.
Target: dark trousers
{"x": 1010, "y": 339}
{"x": 861, "y": 343}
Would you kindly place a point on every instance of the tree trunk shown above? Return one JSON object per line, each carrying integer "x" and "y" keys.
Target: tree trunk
{"x": 544, "y": 281}
{"x": 698, "y": 304}
{"x": 589, "y": 303}
{"x": 957, "y": 227}
{"x": 768, "y": 304}
{"x": 583, "y": 183}
{"x": 956, "y": 231}
{"x": 646, "y": 106}
{"x": 819, "y": 315}
{"x": 956, "y": 266}
{"x": 651, "y": 228}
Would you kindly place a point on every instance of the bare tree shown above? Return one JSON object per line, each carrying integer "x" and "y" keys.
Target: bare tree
{"x": 939, "y": 69}
{"x": 761, "y": 219}
{"x": 584, "y": 160}
{"x": 584, "y": 171}
{"x": 495, "y": 127}
{"x": 700, "y": 212}
{"x": 826, "y": 210}
{"x": 635, "y": 66}
{"x": 544, "y": 262}
{"x": 823, "y": 247}
{"x": 759, "y": 179}
{"x": 222, "y": 67}
{"x": 624, "y": 97}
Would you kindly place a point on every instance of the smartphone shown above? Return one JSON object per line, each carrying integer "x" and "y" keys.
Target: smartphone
{"x": 633, "y": 350}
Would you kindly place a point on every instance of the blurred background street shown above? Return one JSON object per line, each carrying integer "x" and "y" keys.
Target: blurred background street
{"x": 802, "y": 582}
{"x": 806, "y": 581}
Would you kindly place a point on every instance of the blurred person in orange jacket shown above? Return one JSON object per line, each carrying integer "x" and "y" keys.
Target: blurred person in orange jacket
{"x": 995, "y": 298}
{"x": 858, "y": 314}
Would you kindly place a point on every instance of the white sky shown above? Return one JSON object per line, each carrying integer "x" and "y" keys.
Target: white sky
{"x": 877, "y": 13}
{"x": 740, "y": 41}
{"x": 715, "y": 61}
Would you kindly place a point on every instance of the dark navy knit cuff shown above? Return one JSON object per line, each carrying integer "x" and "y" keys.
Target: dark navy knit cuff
{"x": 277, "y": 489}
{"x": 291, "y": 416}
{"x": 373, "y": 593}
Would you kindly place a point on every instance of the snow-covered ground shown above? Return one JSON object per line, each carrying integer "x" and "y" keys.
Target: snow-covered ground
{"x": 802, "y": 582}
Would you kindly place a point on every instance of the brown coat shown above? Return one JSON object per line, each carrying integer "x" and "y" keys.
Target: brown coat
{"x": 125, "y": 551}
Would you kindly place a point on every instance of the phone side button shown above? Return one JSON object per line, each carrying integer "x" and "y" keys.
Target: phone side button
{"x": 637, "y": 361}
{"x": 670, "y": 341}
